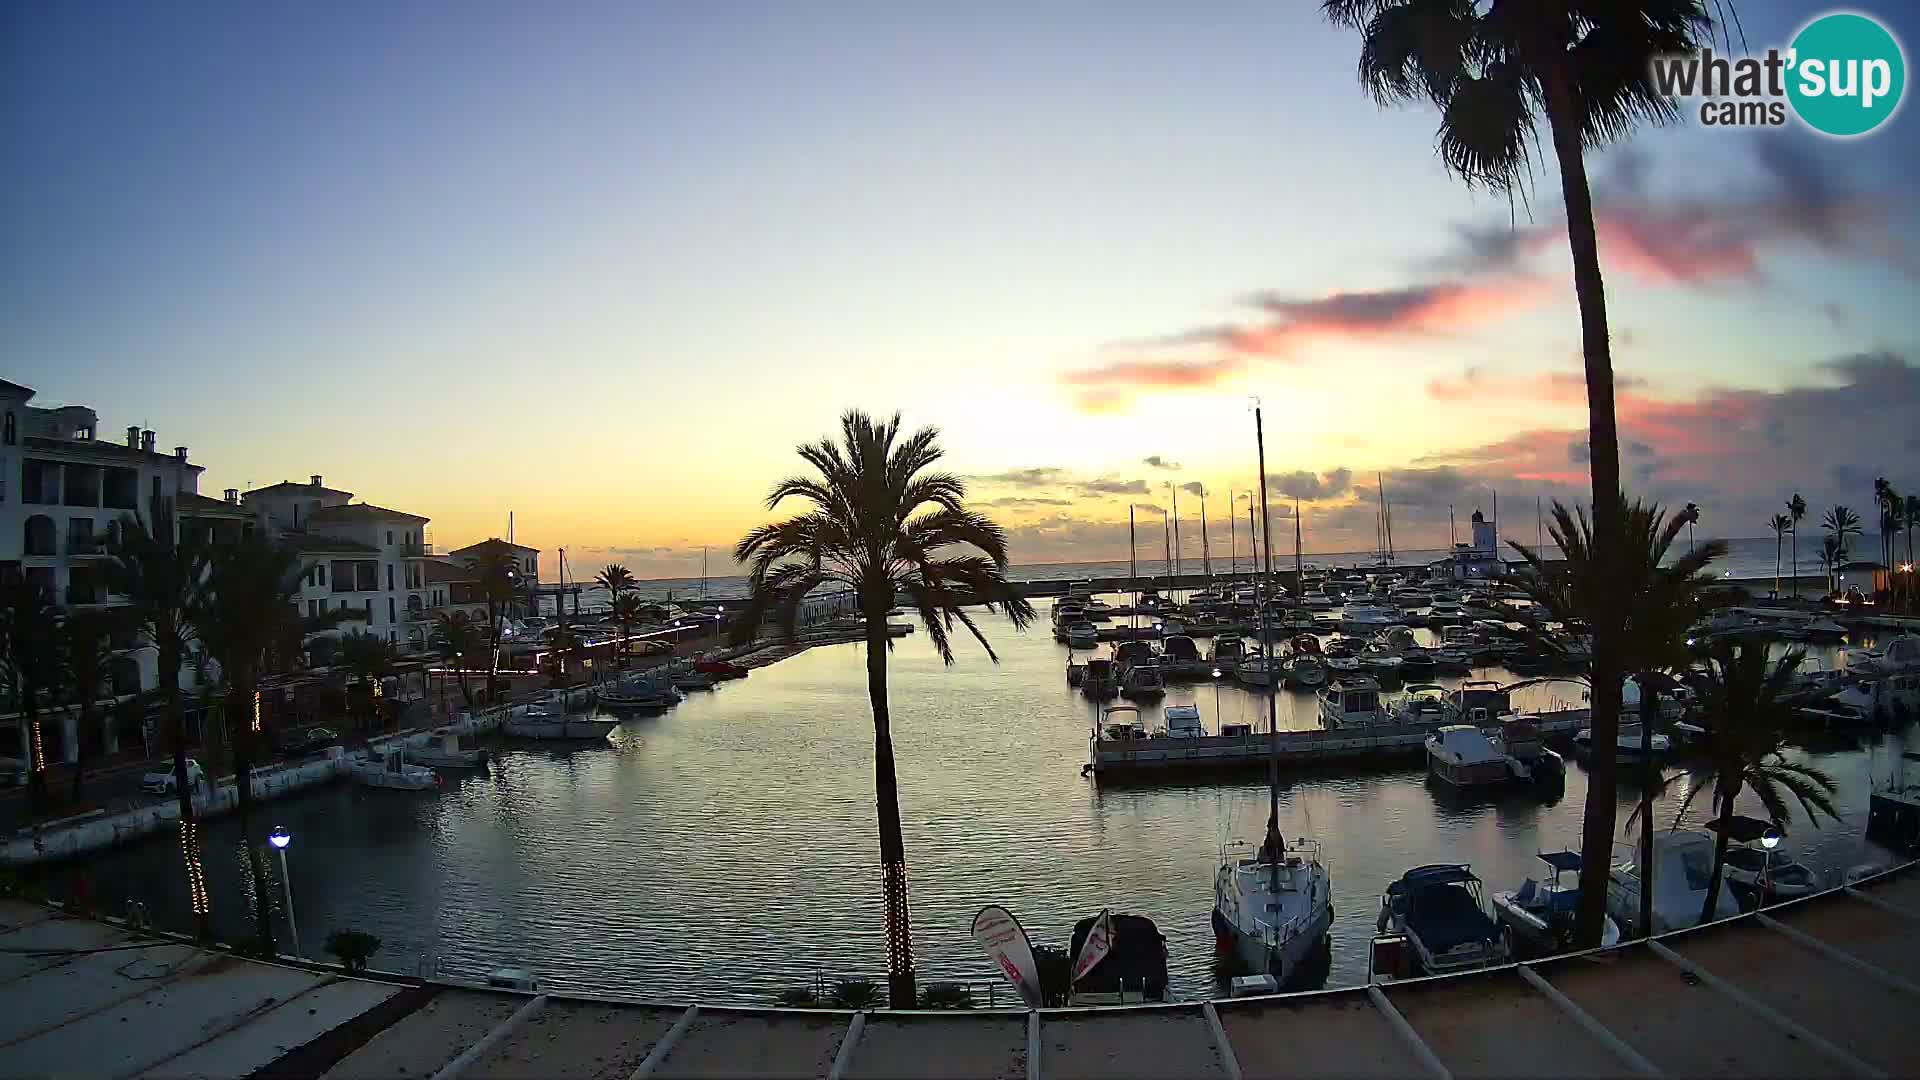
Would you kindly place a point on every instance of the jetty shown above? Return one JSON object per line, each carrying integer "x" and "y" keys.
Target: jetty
{"x": 1823, "y": 986}
{"x": 1156, "y": 754}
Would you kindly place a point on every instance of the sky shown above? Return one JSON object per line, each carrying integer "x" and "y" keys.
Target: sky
{"x": 606, "y": 265}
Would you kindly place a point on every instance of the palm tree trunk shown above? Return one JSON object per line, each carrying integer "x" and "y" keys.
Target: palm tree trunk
{"x": 893, "y": 846}
{"x": 1719, "y": 860}
{"x": 38, "y": 797}
{"x": 183, "y": 791}
{"x": 1649, "y": 709}
{"x": 239, "y": 707}
{"x": 1794, "y": 548}
{"x": 80, "y": 749}
{"x": 1603, "y": 437}
{"x": 1776, "y": 565}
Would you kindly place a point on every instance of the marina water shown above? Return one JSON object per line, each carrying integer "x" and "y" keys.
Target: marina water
{"x": 726, "y": 850}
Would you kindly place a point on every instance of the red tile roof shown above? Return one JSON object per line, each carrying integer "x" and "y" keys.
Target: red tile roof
{"x": 361, "y": 512}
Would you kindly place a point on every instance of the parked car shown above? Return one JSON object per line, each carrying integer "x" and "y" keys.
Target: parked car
{"x": 305, "y": 740}
{"x": 161, "y": 782}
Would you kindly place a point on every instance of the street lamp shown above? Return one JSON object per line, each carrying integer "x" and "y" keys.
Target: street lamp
{"x": 1768, "y": 841}
{"x": 280, "y": 838}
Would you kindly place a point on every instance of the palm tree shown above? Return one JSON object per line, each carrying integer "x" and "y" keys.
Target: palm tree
{"x": 246, "y": 607}
{"x": 456, "y": 637}
{"x": 498, "y": 577}
{"x": 1741, "y": 700}
{"x": 34, "y": 665}
{"x": 1913, "y": 518}
{"x": 614, "y": 578}
{"x": 368, "y": 659}
{"x": 1494, "y": 71}
{"x": 1657, "y": 603}
{"x": 160, "y": 572}
{"x": 1690, "y": 515}
{"x": 83, "y": 644}
{"x": 882, "y": 524}
{"x": 1840, "y": 524}
{"x": 1832, "y": 552}
{"x": 1797, "y": 510}
{"x": 1781, "y": 524}
{"x": 626, "y": 612}
{"x": 1887, "y": 502}
{"x": 562, "y": 643}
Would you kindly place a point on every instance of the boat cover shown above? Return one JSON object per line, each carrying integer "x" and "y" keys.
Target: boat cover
{"x": 1563, "y": 861}
{"x": 1445, "y": 916}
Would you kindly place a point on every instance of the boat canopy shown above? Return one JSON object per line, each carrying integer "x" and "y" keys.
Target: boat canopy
{"x": 1421, "y": 877}
{"x": 1564, "y": 861}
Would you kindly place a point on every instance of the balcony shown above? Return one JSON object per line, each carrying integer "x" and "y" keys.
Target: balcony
{"x": 417, "y": 550}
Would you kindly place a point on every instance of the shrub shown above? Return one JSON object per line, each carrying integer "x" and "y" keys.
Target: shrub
{"x": 855, "y": 994}
{"x": 353, "y": 947}
{"x": 946, "y": 995}
{"x": 799, "y": 998}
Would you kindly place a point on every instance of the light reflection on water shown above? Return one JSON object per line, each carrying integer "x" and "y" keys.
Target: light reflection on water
{"x": 726, "y": 849}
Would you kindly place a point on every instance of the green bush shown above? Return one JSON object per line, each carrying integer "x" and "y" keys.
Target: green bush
{"x": 353, "y": 947}
{"x": 799, "y": 998}
{"x": 855, "y": 994}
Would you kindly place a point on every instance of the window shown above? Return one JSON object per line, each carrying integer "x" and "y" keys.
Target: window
{"x": 321, "y": 569}
{"x": 313, "y": 606}
{"x": 390, "y": 614}
{"x": 156, "y": 487}
{"x": 11, "y": 434}
{"x": 389, "y": 536}
{"x": 389, "y": 567}
{"x": 369, "y": 609}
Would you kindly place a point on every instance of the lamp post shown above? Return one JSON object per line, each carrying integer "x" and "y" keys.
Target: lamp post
{"x": 1768, "y": 841}
{"x": 280, "y": 838}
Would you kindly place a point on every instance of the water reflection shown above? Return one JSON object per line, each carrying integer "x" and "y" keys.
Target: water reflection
{"x": 727, "y": 849}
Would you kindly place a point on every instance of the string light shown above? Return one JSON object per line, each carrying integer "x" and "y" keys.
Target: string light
{"x": 256, "y": 710}
{"x": 196, "y": 871}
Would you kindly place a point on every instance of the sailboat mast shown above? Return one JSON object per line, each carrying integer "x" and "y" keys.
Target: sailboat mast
{"x": 1266, "y": 657}
{"x": 703, "y": 571}
{"x": 1206, "y": 553}
{"x": 1539, "y": 526}
{"x": 1166, "y": 539}
{"x": 1386, "y": 508}
{"x": 1176, "y": 530}
{"x": 1253, "y": 547}
{"x": 1298, "y": 569}
{"x": 1133, "y": 571}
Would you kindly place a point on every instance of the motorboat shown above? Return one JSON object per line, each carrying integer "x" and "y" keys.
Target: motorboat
{"x": 1541, "y": 912}
{"x": 1121, "y": 723}
{"x": 1180, "y": 658}
{"x": 1397, "y": 639}
{"x": 1226, "y": 654}
{"x": 1880, "y": 699}
{"x": 1817, "y": 628}
{"x": 1628, "y": 746}
{"x": 1520, "y": 737}
{"x": 1381, "y": 660}
{"x": 637, "y": 691}
{"x": 1365, "y": 619}
{"x": 720, "y": 669}
{"x": 1684, "y": 865}
{"x": 1134, "y": 971}
{"x": 1316, "y": 600}
{"x": 1097, "y": 680}
{"x": 1273, "y": 906}
{"x": 1446, "y": 613}
{"x": 1143, "y": 681}
{"x": 1098, "y": 610}
{"x": 1439, "y": 911}
{"x": 1303, "y": 669}
{"x": 1759, "y": 877}
{"x": 391, "y": 770}
{"x": 1066, "y": 611}
{"x": 449, "y": 750}
{"x": 1893, "y": 807}
{"x": 1080, "y": 634}
{"x": 1418, "y": 663}
{"x": 549, "y": 723}
{"x": 1351, "y": 701}
{"x": 1411, "y": 599}
{"x": 1425, "y": 704}
{"x": 1458, "y": 754}
{"x": 1451, "y": 659}
{"x": 1183, "y": 722}
{"x": 689, "y": 679}
{"x": 1257, "y": 670}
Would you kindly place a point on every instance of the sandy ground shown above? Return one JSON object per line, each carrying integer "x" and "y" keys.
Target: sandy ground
{"x": 963, "y": 1048}
{"x": 1344, "y": 1038}
{"x": 1164, "y": 1042}
{"x": 432, "y": 1036}
{"x": 577, "y": 1039}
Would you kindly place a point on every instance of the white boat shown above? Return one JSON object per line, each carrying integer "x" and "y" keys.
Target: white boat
{"x": 1271, "y": 907}
{"x": 1081, "y": 634}
{"x": 547, "y": 723}
{"x": 1541, "y": 911}
{"x": 1183, "y": 722}
{"x": 1683, "y": 864}
{"x": 1098, "y": 610}
{"x": 1425, "y": 704}
{"x": 1760, "y": 877}
{"x": 1439, "y": 911}
{"x": 1142, "y": 680}
{"x": 1351, "y": 701}
{"x": 1316, "y": 600}
{"x": 1381, "y": 660}
{"x": 1304, "y": 669}
{"x": 1256, "y": 670}
{"x": 1226, "y": 654}
{"x": 1628, "y": 746}
{"x": 689, "y": 679}
{"x": 1874, "y": 700}
{"x": 1362, "y": 620}
{"x": 451, "y": 751}
{"x": 1122, "y": 723}
{"x": 636, "y": 691}
{"x": 1460, "y": 755}
{"x": 392, "y": 771}
{"x": 1445, "y": 612}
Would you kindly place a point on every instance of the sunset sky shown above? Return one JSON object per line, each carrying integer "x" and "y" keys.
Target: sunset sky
{"x": 604, "y": 265}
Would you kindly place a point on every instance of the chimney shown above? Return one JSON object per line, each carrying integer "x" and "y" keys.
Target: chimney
{"x": 146, "y": 440}
{"x": 133, "y": 436}
{"x": 179, "y": 453}
{"x": 315, "y": 480}
{"x": 233, "y": 495}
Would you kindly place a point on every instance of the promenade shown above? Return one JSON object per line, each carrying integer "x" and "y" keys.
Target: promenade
{"x": 1824, "y": 986}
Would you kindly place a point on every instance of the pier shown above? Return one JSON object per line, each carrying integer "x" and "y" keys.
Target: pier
{"x": 1824, "y": 986}
{"x": 1374, "y": 742}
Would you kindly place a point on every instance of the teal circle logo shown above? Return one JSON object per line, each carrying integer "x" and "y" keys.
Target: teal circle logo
{"x": 1847, "y": 74}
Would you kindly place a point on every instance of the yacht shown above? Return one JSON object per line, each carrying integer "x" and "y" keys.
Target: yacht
{"x": 1425, "y": 704}
{"x": 1458, "y": 754}
{"x": 1226, "y": 654}
{"x": 1097, "y": 610}
{"x": 635, "y": 691}
{"x": 1758, "y": 876}
{"x": 1134, "y": 970}
{"x": 1180, "y": 658}
{"x": 1351, "y": 701}
{"x": 1684, "y": 862}
{"x": 1143, "y": 681}
{"x": 449, "y": 750}
{"x": 1364, "y": 619}
{"x": 391, "y": 770}
{"x": 1273, "y": 906}
{"x": 1628, "y": 746}
{"x": 1081, "y": 634}
{"x": 1316, "y": 600}
{"x": 551, "y": 723}
{"x": 1541, "y": 911}
{"x": 1183, "y": 722}
{"x": 1256, "y": 670}
{"x": 1439, "y": 912}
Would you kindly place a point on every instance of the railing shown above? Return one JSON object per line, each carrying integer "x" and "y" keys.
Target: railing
{"x": 418, "y": 550}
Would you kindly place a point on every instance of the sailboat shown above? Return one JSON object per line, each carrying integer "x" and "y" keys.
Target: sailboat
{"x": 1271, "y": 906}
{"x": 1302, "y": 667}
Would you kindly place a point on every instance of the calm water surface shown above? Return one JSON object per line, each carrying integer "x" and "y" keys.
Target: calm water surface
{"x": 726, "y": 850}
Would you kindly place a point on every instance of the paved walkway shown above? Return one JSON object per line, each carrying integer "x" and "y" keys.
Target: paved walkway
{"x": 1828, "y": 986}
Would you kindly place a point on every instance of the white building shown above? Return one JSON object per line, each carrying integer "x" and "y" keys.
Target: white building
{"x": 1478, "y": 561}
{"x": 361, "y": 558}
{"x": 63, "y": 492}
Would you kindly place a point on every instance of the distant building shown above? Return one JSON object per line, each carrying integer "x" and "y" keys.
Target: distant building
{"x": 365, "y": 560}
{"x": 1477, "y": 561}
{"x": 526, "y": 560}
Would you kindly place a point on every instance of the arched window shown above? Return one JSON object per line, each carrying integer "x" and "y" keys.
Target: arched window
{"x": 39, "y": 536}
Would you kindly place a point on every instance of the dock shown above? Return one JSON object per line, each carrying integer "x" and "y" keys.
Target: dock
{"x": 1165, "y": 754}
{"x": 1823, "y": 986}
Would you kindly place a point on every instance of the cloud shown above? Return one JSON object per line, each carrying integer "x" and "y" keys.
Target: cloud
{"x": 1016, "y": 501}
{"x": 1063, "y": 481}
{"x": 1194, "y": 487}
{"x": 1579, "y": 453}
{"x": 1158, "y": 462}
{"x": 1038, "y": 476}
{"x": 1308, "y": 487}
{"x": 1112, "y": 487}
{"x": 1477, "y": 383}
